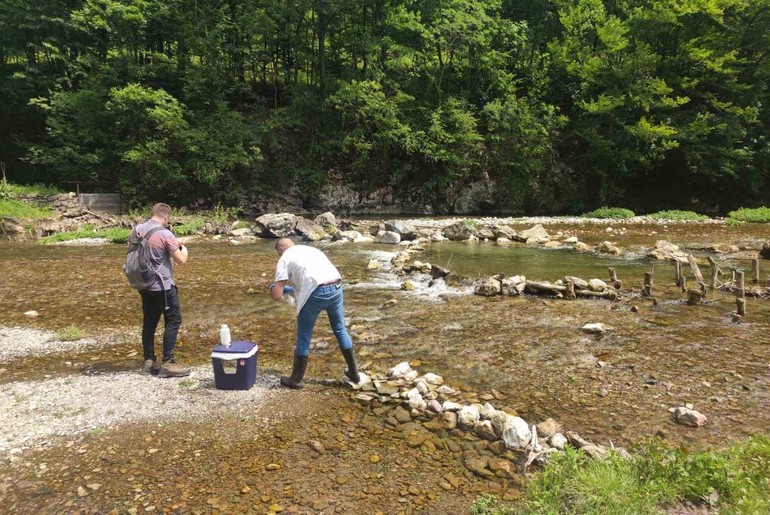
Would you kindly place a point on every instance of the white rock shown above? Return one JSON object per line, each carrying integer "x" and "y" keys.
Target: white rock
{"x": 399, "y": 371}
{"x": 571, "y": 240}
{"x": 435, "y": 406}
{"x": 31, "y": 314}
{"x": 452, "y": 406}
{"x": 411, "y": 375}
{"x": 422, "y": 387}
{"x": 597, "y": 285}
{"x": 432, "y": 378}
{"x": 689, "y": 417}
{"x": 516, "y": 433}
{"x": 373, "y": 265}
{"x": 446, "y": 390}
{"x": 468, "y": 416}
{"x": 487, "y": 410}
{"x": 558, "y": 440}
{"x": 415, "y": 400}
{"x": 597, "y": 328}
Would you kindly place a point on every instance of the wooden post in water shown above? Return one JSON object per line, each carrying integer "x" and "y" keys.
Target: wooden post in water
{"x": 695, "y": 269}
{"x": 617, "y": 284}
{"x": 740, "y": 301}
{"x": 647, "y": 291}
{"x": 755, "y": 270}
{"x": 678, "y": 278}
{"x": 571, "y": 290}
{"x": 715, "y": 271}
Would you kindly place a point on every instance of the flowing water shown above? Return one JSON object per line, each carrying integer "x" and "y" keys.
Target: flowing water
{"x": 618, "y": 386}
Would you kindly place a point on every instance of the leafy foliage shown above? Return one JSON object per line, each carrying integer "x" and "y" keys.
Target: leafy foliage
{"x": 678, "y": 215}
{"x": 610, "y": 212}
{"x": 756, "y": 215}
{"x": 564, "y": 105}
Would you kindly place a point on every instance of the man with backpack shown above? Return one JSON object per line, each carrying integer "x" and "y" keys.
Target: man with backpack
{"x": 152, "y": 248}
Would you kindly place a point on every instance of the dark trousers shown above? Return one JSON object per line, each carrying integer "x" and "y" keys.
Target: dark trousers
{"x": 154, "y": 304}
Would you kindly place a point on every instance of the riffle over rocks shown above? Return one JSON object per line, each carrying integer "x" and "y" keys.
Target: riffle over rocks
{"x": 407, "y": 399}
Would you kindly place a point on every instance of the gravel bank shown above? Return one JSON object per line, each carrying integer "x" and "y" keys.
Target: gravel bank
{"x": 15, "y": 342}
{"x": 35, "y": 413}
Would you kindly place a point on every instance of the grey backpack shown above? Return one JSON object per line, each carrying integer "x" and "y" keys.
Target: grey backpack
{"x": 138, "y": 267}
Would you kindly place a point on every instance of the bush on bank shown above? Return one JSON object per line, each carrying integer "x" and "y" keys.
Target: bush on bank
{"x": 676, "y": 214}
{"x": 610, "y": 212}
{"x": 755, "y": 215}
{"x": 736, "y": 478}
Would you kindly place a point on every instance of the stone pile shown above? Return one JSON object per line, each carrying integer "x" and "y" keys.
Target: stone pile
{"x": 406, "y": 399}
{"x": 518, "y": 284}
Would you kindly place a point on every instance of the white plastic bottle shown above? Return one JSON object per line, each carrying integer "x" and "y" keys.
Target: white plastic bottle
{"x": 224, "y": 335}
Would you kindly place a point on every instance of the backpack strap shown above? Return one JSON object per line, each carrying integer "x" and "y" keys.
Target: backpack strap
{"x": 152, "y": 231}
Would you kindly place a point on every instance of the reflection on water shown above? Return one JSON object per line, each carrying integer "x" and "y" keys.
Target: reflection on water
{"x": 616, "y": 386}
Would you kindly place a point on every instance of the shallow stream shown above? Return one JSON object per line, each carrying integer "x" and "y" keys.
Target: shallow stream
{"x": 616, "y": 387}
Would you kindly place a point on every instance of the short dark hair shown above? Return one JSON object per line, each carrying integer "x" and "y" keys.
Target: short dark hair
{"x": 161, "y": 209}
{"x": 283, "y": 239}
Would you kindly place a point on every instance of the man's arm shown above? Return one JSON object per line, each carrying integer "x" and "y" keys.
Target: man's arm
{"x": 276, "y": 290}
{"x": 180, "y": 255}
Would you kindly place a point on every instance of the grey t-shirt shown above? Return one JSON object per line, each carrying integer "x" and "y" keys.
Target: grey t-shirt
{"x": 162, "y": 243}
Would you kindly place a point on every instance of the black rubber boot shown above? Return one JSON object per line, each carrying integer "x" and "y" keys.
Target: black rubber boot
{"x": 297, "y": 373}
{"x": 350, "y": 359}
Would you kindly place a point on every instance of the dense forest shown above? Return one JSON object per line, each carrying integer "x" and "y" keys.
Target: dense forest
{"x": 562, "y": 104}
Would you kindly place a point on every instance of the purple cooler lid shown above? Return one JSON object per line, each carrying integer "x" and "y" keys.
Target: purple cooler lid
{"x": 235, "y": 348}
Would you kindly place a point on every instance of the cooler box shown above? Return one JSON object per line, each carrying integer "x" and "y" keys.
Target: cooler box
{"x": 235, "y": 367}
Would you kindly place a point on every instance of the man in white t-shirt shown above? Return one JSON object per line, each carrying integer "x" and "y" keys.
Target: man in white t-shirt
{"x": 317, "y": 286}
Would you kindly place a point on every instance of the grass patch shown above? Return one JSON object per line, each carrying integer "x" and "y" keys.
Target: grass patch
{"x": 759, "y": 215}
{"x": 37, "y": 190}
{"x": 22, "y": 210}
{"x": 658, "y": 477}
{"x": 610, "y": 212}
{"x": 679, "y": 215}
{"x": 115, "y": 235}
{"x": 70, "y": 334}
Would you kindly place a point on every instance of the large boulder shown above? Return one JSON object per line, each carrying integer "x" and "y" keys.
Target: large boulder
{"x": 388, "y": 237}
{"x": 326, "y": 220}
{"x": 667, "y": 251}
{"x": 459, "y": 231}
{"x": 504, "y": 231}
{"x": 10, "y": 226}
{"x": 488, "y": 287}
{"x": 535, "y": 234}
{"x": 309, "y": 230}
{"x": 513, "y": 286}
{"x": 276, "y": 225}
{"x": 516, "y": 433}
{"x": 485, "y": 233}
{"x": 404, "y": 229}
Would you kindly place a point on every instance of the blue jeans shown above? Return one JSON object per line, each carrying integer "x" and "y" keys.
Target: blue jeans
{"x": 324, "y": 298}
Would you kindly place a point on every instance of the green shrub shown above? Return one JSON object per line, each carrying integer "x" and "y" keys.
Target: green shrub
{"x": 679, "y": 215}
{"x": 22, "y": 210}
{"x": 756, "y": 215}
{"x": 70, "y": 334}
{"x": 189, "y": 228}
{"x": 659, "y": 476}
{"x": 489, "y": 505}
{"x": 114, "y": 235}
{"x": 610, "y": 212}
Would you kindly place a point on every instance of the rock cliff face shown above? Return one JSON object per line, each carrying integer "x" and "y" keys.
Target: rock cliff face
{"x": 339, "y": 196}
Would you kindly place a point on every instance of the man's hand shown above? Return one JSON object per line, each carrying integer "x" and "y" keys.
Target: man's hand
{"x": 180, "y": 255}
